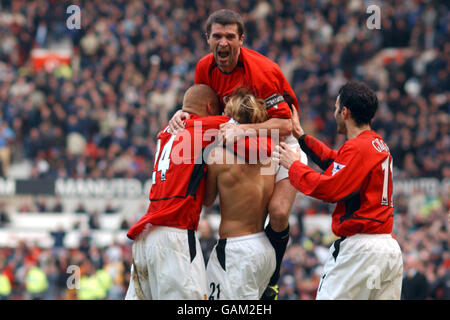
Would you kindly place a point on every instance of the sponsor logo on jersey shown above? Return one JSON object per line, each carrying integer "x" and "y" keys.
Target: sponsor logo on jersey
{"x": 336, "y": 168}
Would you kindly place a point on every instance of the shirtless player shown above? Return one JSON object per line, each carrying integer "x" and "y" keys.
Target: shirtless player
{"x": 243, "y": 260}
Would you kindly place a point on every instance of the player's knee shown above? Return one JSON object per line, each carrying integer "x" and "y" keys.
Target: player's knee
{"x": 280, "y": 205}
{"x": 279, "y": 215}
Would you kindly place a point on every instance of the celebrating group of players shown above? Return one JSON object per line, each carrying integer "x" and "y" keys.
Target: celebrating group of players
{"x": 243, "y": 95}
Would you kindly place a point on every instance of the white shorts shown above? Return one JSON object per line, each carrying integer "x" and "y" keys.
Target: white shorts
{"x": 240, "y": 268}
{"x": 168, "y": 265}
{"x": 282, "y": 172}
{"x": 362, "y": 267}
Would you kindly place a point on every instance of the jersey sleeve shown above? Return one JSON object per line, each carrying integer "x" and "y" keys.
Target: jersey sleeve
{"x": 317, "y": 151}
{"x": 341, "y": 179}
{"x": 278, "y": 94}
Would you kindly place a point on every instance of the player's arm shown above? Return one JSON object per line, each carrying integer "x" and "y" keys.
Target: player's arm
{"x": 211, "y": 189}
{"x": 343, "y": 178}
{"x": 279, "y": 123}
{"x": 316, "y": 150}
{"x": 271, "y": 128}
{"x": 283, "y": 126}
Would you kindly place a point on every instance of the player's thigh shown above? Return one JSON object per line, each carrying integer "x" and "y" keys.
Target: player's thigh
{"x": 135, "y": 291}
{"x": 230, "y": 276}
{"x": 138, "y": 288}
{"x": 217, "y": 275}
{"x": 366, "y": 267}
{"x": 176, "y": 268}
{"x": 284, "y": 193}
{"x": 391, "y": 275}
{"x": 283, "y": 197}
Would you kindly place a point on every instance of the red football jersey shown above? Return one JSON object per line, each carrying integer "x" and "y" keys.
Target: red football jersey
{"x": 358, "y": 177}
{"x": 177, "y": 191}
{"x": 255, "y": 72}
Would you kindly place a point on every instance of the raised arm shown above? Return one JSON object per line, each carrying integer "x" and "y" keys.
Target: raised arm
{"x": 338, "y": 182}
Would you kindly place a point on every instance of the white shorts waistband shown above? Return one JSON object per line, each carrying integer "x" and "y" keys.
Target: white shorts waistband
{"x": 246, "y": 237}
{"x": 370, "y": 236}
{"x": 151, "y": 228}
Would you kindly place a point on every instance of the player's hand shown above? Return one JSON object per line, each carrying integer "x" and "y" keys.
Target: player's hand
{"x": 229, "y": 132}
{"x": 284, "y": 155}
{"x": 176, "y": 123}
{"x": 297, "y": 129}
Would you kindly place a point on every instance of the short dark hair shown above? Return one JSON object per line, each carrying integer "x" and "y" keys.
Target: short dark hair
{"x": 225, "y": 17}
{"x": 360, "y": 100}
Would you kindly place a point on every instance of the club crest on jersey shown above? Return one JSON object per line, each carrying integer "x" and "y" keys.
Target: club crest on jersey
{"x": 336, "y": 168}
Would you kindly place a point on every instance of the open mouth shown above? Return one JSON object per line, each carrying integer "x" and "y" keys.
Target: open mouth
{"x": 223, "y": 54}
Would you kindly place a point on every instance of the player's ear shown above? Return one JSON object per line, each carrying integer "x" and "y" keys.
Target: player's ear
{"x": 211, "y": 109}
{"x": 345, "y": 112}
{"x": 208, "y": 108}
{"x": 241, "y": 40}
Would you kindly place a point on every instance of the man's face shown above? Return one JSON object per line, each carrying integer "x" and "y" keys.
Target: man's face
{"x": 225, "y": 44}
{"x": 341, "y": 128}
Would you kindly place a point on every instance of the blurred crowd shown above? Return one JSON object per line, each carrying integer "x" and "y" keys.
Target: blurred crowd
{"x": 104, "y": 273}
{"x": 84, "y": 273}
{"x": 132, "y": 62}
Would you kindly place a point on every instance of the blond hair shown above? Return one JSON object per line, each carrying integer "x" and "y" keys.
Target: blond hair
{"x": 244, "y": 107}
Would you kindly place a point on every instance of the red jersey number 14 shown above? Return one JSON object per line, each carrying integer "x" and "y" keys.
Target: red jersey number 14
{"x": 162, "y": 164}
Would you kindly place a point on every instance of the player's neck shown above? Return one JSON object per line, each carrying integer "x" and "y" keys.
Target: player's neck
{"x": 228, "y": 69}
{"x": 353, "y": 131}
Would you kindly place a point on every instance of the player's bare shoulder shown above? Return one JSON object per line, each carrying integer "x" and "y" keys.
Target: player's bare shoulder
{"x": 216, "y": 156}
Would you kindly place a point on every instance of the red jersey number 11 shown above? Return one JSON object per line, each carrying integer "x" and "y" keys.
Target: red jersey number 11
{"x": 386, "y": 166}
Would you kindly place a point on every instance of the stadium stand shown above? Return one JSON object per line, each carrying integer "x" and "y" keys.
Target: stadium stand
{"x": 88, "y": 103}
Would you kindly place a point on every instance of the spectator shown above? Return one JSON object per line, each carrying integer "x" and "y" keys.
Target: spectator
{"x": 36, "y": 281}
{"x": 207, "y": 238}
{"x": 5, "y": 284}
{"x": 415, "y": 284}
{"x": 94, "y": 221}
{"x": 110, "y": 208}
{"x": 4, "y": 216}
{"x": 6, "y": 140}
{"x": 80, "y": 209}
{"x": 58, "y": 206}
{"x": 440, "y": 288}
{"x": 58, "y": 238}
{"x": 125, "y": 224}
{"x": 41, "y": 205}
